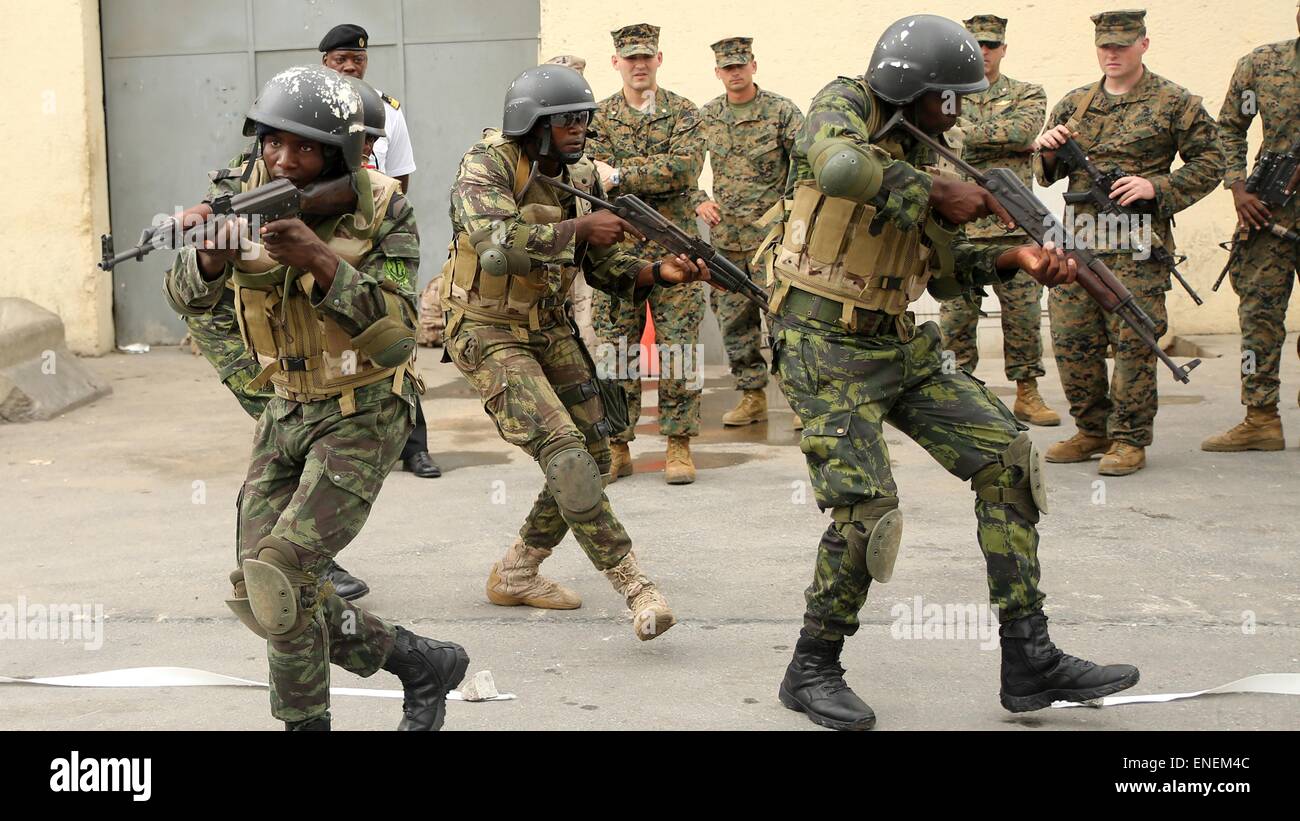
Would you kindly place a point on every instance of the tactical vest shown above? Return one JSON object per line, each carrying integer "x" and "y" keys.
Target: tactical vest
{"x": 513, "y": 299}
{"x": 305, "y": 354}
{"x": 837, "y": 248}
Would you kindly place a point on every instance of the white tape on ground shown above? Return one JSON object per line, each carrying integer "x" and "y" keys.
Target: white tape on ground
{"x": 190, "y": 677}
{"x": 1282, "y": 684}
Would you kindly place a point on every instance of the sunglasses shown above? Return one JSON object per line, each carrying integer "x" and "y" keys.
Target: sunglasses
{"x": 568, "y": 119}
{"x": 990, "y": 44}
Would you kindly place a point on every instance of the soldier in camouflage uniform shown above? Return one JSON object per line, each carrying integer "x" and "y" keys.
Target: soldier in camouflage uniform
{"x": 861, "y": 241}
{"x": 646, "y": 141}
{"x": 749, "y": 133}
{"x": 1137, "y": 121}
{"x": 344, "y": 399}
{"x": 1266, "y": 81}
{"x": 998, "y": 130}
{"x": 518, "y": 245}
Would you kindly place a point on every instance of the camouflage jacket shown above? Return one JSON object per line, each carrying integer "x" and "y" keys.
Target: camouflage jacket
{"x": 483, "y": 195}
{"x": 749, "y": 151}
{"x": 1140, "y": 133}
{"x": 1266, "y": 81}
{"x": 844, "y": 109}
{"x": 999, "y": 128}
{"x": 355, "y": 300}
{"x": 659, "y": 155}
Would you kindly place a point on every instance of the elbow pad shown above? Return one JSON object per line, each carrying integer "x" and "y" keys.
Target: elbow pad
{"x": 845, "y": 169}
{"x": 389, "y": 341}
{"x": 501, "y": 259}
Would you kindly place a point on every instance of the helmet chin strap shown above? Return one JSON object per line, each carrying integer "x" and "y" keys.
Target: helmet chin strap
{"x": 546, "y": 149}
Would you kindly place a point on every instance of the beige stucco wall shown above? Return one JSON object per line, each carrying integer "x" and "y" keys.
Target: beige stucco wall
{"x": 55, "y": 203}
{"x": 800, "y": 47}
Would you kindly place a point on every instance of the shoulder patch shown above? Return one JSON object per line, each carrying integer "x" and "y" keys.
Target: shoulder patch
{"x": 391, "y": 101}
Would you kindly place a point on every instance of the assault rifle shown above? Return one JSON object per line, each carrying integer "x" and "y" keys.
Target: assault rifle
{"x": 1274, "y": 180}
{"x": 1098, "y": 194}
{"x": 278, "y": 199}
{"x": 1032, "y": 217}
{"x": 673, "y": 240}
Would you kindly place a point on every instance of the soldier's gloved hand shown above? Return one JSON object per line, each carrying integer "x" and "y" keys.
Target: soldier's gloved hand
{"x": 1129, "y": 190}
{"x": 961, "y": 202}
{"x": 709, "y": 212}
{"x": 602, "y": 229}
{"x": 290, "y": 242}
{"x": 1048, "y": 264}
{"x": 1251, "y": 210}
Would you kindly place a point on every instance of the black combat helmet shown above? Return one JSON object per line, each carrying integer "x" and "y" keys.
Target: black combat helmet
{"x": 315, "y": 103}
{"x": 372, "y": 107}
{"x": 540, "y": 92}
{"x": 925, "y": 52}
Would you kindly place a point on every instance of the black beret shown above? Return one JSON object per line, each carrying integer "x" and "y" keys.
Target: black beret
{"x": 346, "y": 36}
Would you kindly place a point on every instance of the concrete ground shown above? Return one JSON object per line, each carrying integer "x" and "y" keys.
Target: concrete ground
{"x": 1187, "y": 569}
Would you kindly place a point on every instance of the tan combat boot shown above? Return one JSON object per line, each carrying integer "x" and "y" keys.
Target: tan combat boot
{"x": 1122, "y": 459}
{"x": 1261, "y": 430}
{"x": 650, "y": 614}
{"x": 1078, "y": 448}
{"x": 1031, "y": 408}
{"x": 679, "y": 469}
{"x": 514, "y": 581}
{"x": 620, "y": 461}
{"x": 751, "y": 408}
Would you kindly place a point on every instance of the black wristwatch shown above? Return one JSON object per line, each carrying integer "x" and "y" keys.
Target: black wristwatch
{"x": 659, "y": 280}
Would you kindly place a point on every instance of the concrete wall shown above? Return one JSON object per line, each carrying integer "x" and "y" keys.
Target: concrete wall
{"x": 55, "y": 202}
{"x": 1195, "y": 43}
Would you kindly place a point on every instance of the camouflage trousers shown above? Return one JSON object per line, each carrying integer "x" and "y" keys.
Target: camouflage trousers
{"x": 1124, "y": 410}
{"x": 742, "y": 327}
{"x": 1022, "y": 339}
{"x": 845, "y": 387}
{"x": 313, "y": 477}
{"x": 1263, "y": 279}
{"x": 521, "y": 381}
{"x": 677, "y": 313}
{"x": 217, "y": 336}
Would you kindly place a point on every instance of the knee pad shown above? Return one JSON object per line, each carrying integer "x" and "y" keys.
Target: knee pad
{"x": 874, "y": 535}
{"x": 238, "y": 604}
{"x": 281, "y": 595}
{"x": 1028, "y": 493}
{"x": 574, "y": 479}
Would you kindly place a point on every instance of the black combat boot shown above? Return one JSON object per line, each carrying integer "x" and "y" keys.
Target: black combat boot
{"x": 349, "y": 587}
{"x": 429, "y": 670}
{"x": 814, "y": 685}
{"x": 317, "y": 724}
{"x": 1035, "y": 673}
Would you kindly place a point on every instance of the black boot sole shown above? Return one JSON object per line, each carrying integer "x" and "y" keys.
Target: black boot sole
{"x": 791, "y": 703}
{"x": 356, "y": 594}
{"x": 1037, "y": 701}
{"x": 452, "y": 681}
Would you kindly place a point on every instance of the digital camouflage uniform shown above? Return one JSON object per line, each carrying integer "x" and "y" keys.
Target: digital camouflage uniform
{"x": 315, "y": 472}
{"x": 999, "y": 130}
{"x": 846, "y": 385}
{"x": 1139, "y": 133}
{"x": 1266, "y": 81}
{"x": 659, "y": 155}
{"x": 749, "y": 151}
{"x": 531, "y": 380}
